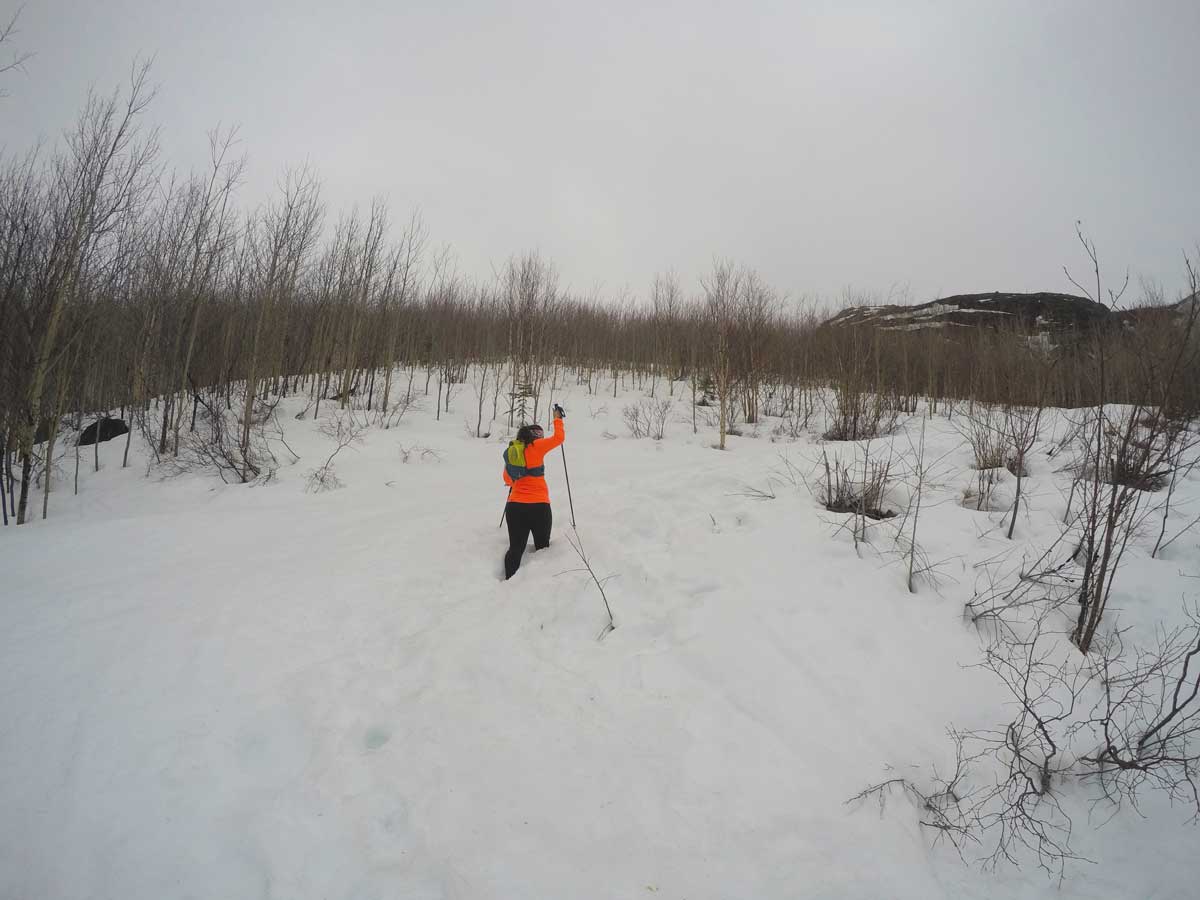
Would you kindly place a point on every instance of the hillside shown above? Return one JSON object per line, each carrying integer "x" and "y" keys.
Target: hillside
{"x": 1033, "y": 313}
{"x": 1041, "y": 311}
{"x": 218, "y": 690}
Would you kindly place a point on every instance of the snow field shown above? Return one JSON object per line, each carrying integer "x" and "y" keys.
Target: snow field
{"x": 252, "y": 691}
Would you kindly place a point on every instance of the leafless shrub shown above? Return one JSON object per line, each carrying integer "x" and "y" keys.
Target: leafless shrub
{"x": 1005, "y": 794}
{"x": 912, "y": 513}
{"x": 636, "y": 420}
{"x": 1000, "y": 440}
{"x": 1031, "y": 754}
{"x": 858, "y": 407}
{"x": 979, "y": 495}
{"x": 795, "y": 421}
{"x": 1120, "y": 460}
{"x": 1139, "y": 732}
{"x": 1010, "y": 594}
{"x": 1141, "y": 459}
{"x": 395, "y": 412}
{"x": 789, "y": 471}
{"x": 857, "y": 489}
{"x": 1149, "y": 719}
{"x": 753, "y": 493}
{"x": 1124, "y": 454}
{"x": 277, "y": 434}
{"x": 855, "y": 414}
{"x": 1185, "y": 461}
{"x": 223, "y": 445}
{"x": 660, "y": 411}
{"x": 345, "y": 431}
{"x": 938, "y": 806}
{"x": 984, "y": 431}
{"x": 710, "y": 418}
{"x": 1069, "y": 438}
{"x": 260, "y": 411}
{"x": 1022, "y": 428}
{"x": 418, "y": 453}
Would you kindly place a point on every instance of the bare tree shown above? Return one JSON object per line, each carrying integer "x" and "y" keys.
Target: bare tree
{"x": 1125, "y": 454}
{"x": 75, "y": 216}
{"x": 667, "y": 301}
{"x": 722, "y": 290}
{"x": 1021, "y": 428}
{"x": 280, "y": 244}
{"x": 17, "y": 59}
{"x": 757, "y": 304}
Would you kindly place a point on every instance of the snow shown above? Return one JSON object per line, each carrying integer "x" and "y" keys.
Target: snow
{"x": 917, "y": 326}
{"x": 234, "y": 691}
{"x": 920, "y": 319}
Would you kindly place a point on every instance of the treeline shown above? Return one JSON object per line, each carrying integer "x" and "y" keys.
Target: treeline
{"x": 129, "y": 291}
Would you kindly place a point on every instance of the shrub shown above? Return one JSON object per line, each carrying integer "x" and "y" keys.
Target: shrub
{"x": 647, "y": 418}
{"x": 843, "y": 490}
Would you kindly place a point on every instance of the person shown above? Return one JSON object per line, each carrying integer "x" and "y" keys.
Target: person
{"x": 528, "y": 507}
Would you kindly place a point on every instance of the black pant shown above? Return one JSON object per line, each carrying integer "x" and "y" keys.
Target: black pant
{"x": 522, "y": 519}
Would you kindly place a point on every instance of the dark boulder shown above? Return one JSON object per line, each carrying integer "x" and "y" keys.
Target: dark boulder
{"x": 106, "y": 428}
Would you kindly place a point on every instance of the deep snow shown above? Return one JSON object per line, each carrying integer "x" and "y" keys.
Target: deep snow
{"x": 253, "y": 691}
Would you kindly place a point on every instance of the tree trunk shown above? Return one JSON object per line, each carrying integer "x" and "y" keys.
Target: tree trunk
{"x": 26, "y": 476}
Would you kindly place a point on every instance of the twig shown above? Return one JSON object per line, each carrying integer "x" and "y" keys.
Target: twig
{"x": 577, "y": 546}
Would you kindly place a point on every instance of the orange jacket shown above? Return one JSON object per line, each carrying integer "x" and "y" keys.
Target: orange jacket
{"x": 532, "y": 488}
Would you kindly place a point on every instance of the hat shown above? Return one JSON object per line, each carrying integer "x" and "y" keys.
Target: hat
{"x": 527, "y": 434}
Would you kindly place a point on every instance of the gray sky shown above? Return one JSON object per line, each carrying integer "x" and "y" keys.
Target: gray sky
{"x": 946, "y": 146}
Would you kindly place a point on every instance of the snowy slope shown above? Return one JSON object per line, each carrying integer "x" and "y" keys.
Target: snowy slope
{"x": 227, "y": 691}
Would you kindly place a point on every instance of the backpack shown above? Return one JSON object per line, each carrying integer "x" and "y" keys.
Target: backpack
{"x": 514, "y": 462}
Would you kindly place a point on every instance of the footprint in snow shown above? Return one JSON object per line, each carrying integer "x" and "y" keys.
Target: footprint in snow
{"x": 376, "y": 737}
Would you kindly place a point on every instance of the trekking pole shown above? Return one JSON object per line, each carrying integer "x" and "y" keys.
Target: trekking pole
{"x": 504, "y": 511}
{"x": 570, "y": 500}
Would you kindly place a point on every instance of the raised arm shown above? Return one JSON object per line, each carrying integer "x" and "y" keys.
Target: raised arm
{"x": 545, "y": 445}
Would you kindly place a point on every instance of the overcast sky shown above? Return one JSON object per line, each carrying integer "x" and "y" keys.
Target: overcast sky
{"x": 941, "y": 147}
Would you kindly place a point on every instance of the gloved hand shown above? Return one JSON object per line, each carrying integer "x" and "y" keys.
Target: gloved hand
{"x": 558, "y": 412}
